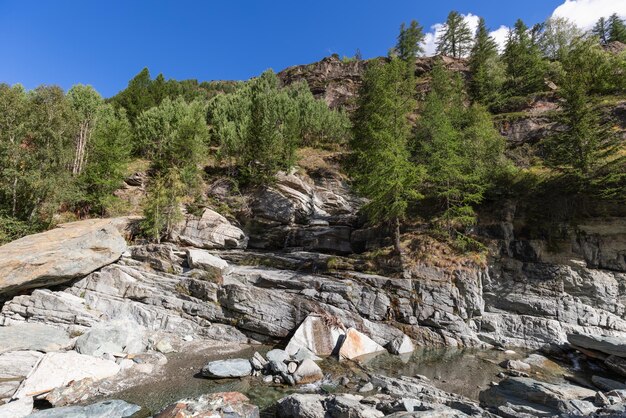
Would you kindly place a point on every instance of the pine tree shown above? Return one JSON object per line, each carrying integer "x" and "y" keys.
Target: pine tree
{"x": 456, "y": 40}
{"x": 578, "y": 147}
{"x": 410, "y": 41}
{"x": 524, "y": 66}
{"x": 460, "y": 150}
{"x": 617, "y": 29}
{"x": 601, "y": 30}
{"x": 485, "y": 67}
{"x": 382, "y": 170}
{"x": 162, "y": 205}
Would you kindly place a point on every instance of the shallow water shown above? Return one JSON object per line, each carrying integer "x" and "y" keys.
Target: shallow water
{"x": 464, "y": 372}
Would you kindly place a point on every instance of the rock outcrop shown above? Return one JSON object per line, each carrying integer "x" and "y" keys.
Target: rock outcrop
{"x": 211, "y": 231}
{"x": 68, "y": 252}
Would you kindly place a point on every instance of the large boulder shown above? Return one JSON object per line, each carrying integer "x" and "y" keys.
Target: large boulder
{"x": 59, "y": 369}
{"x": 104, "y": 409}
{"x": 315, "y": 335}
{"x": 112, "y": 337}
{"x": 609, "y": 345}
{"x": 204, "y": 260}
{"x": 356, "y": 344}
{"x": 222, "y": 404}
{"x": 60, "y": 255}
{"x": 32, "y": 336}
{"x": 210, "y": 231}
{"x": 308, "y": 372}
{"x": 14, "y": 367}
{"x": 227, "y": 368}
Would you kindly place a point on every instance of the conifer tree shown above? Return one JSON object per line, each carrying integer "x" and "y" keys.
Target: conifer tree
{"x": 485, "y": 67}
{"x": 456, "y": 39}
{"x": 578, "y": 147}
{"x": 617, "y": 29}
{"x": 601, "y": 30}
{"x": 382, "y": 170}
{"x": 524, "y": 66}
{"x": 410, "y": 41}
{"x": 460, "y": 150}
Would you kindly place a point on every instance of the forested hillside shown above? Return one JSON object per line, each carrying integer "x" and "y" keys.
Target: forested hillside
{"x": 420, "y": 138}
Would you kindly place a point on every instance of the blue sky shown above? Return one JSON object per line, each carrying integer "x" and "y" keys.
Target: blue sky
{"x": 105, "y": 43}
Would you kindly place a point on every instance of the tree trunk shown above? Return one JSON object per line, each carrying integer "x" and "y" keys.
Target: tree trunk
{"x": 397, "y": 245}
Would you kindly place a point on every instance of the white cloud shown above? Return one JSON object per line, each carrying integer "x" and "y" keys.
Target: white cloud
{"x": 583, "y": 13}
{"x": 586, "y": 12}
{"x": 500, "y": 35}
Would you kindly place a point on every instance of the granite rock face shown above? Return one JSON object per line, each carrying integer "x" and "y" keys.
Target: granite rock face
{"x": 68, "y": 252}
{"x": 210, "y": 231}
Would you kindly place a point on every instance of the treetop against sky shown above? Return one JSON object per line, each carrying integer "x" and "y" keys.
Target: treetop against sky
{"x": 104, "y": 44}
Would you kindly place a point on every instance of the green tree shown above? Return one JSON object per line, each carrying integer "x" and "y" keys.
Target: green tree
{"x": 260, "y": 125}
{"x": 13, "y": 155}
{"x": 456, "y": 39}
{"x": 85, "y": 101}
{"x": 524, "y": 67}
{"x": 460, "y": 150}
{"x": 382, "y": 170}
{"x": 173, "y": 134}
{"x": 162, "y": 208}
{"x": 557, "y": 36}
{"x": 578, "y": 147}
{"x": 617, "y": 29}
{"x": 410, "y": 40}
{"x": 602, "y": 31}
{"x": 137, "y": 97}
{"x": 487, "y": 71}
{"x": 109, "y": 152}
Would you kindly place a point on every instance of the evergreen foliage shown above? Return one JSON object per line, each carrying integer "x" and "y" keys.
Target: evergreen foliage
{"x": 260, "y": 126}
{"x": 617, "y": 29}
{"x": 460, "y": 151}
{"x": 524, "y": 67}
{"x": 382, "y": 170}
{"x": 456, "y": 39}
{"x": 486, "y": 68}
{"x": 602, "y": 31}
{"x": 409, "y": 45}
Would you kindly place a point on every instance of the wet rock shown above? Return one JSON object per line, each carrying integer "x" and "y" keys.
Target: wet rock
{"x": 14, "y": 367}
{"x": 227, "y": 368}
{"x": 301, "y": 405}
{"x": 616, "y": 364}
{"x": 33, "y": 336}
{"x": 524, "y": 395}
{"x": 400, "y": 345}
{"x": 277, "y": 359}
{"x": 357, "y": 344}
{"x": 222, "y": 404}
{"x": 607, "y": 384}
{"x": 59, "y": 369}
{"x": 307, "y": 372}
{"x": 606, "y": 344}
{"x": 517, "y": 365}
{"x": 258, "y": 361}
{"x": 210, "y": 231}
{"x": 104, "y": 409}
{"x": 112, "y": 337}
{"x": 160, "y": 257}
{"x": 65, "y": 253}
{"x": 431, "y": 397}
{"x": 203, "y": 260}
{"x": 19, "y": 408}
{"x": 350, "y": 405}
{"x": 316, "y": 335}
{"x": 601, "y": 400}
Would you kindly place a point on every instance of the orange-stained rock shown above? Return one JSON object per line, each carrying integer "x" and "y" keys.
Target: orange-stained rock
{"x": 222, "y": 404}
{"x": 357, "y": 344}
